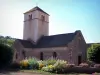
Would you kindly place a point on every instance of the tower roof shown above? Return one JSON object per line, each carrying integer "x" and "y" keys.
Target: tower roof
{"x": 36, "y": 8}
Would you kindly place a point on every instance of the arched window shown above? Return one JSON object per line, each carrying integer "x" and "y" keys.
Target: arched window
{"x": 54, "y": 55}
{"x": 24, "y": 54}
{"x": 16, "y": 55}
{"x": 41, "y": 55}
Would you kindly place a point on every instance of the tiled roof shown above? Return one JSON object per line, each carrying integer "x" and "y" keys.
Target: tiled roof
{"x": 50, "y": 41}
{"x": 36, "y": 8}
{"x": 26, "y": 43}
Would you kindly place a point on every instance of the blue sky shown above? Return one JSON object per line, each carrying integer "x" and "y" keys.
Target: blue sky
{"x": 65, "y": 16}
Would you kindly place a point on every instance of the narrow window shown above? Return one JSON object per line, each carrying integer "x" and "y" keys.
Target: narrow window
{"x": 41, "y": 55}
{"x": 30, "y": 17}
{"x": 24, "y": 54}
{"x": 16, "y": 55}
{"x": 43, "y": 18}
{"x": 54, "y": 55}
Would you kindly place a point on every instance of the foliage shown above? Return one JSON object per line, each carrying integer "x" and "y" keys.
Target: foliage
{"x": 52, "y": 65}
{"x": 48, "y": 68}
{"x": 6, "y": 55}
{"x": 33, "y": 63}
{"x": 97, "y": 65}
{"x": 90, "y": 63}
{"x": 15, "y": 65}
{"x": 7, "y": 40}
{"x": 30, "y": 63}
{"x": 70, "y": 65}
{"x": 49, "y": 62}
{"x": 24, "y": 64}
{"x": 93, "y": 53}
{"x": 41, "y": 64}
{"x": 84, "y": 65}
{"x": 59, "y": 66}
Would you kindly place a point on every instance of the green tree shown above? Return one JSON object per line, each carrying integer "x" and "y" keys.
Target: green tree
{"x": 93, "y": 53}
{"x": 6, "y": 55}
{"x": 7, "y": 40}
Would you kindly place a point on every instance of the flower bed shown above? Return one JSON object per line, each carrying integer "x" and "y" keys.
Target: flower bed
{"x": 56, "y": 66}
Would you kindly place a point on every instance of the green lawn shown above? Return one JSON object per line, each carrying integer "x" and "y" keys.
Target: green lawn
{"x": 37, "y": 72}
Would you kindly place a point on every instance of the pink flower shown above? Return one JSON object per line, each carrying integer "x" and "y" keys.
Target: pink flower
{"x": 94, "y": 73}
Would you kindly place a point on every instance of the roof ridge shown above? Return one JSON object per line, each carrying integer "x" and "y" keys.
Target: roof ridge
{"x": 59, "y": 34}
{"x": 36, "y": 8}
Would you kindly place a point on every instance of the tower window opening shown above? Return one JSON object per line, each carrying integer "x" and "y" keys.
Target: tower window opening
{"x": 43, "y": 18}
{"x": 30, "y": 17}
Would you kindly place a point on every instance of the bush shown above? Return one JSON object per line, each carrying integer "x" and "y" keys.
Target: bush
{"x": 33, "y": 63}
{"x": 24, "y": 64}
{"x": 30, "y": 63}
{"x": 41, "y": 64}
{"x": 97, "y": 65}
{"x": 15, "y": 65}
{"x": 93, "y": 53}
{"x": 84, "y": 65}
{"x": 59, "y": 66}
{"x": 50, "y": 62}
{"x": 90, "y": 63}
{"x": 70, "y": 65}
{"x": 6, "y": 55}
{"x": 48, "y": 68}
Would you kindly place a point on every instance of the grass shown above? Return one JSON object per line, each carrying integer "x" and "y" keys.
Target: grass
{"x": 37, "y": 72}
{"x": 48, "y": 73}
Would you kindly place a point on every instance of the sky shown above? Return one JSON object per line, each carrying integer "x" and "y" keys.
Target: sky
{"x": 66, "y": 16}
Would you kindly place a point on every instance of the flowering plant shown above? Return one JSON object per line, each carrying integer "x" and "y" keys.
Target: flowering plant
{"x": 41, "y": 64}
{"x": 48, "y": 68}
{"x": 33, "y": 64}
{"x": 70, "y": 65}
{"x": 24, "y": 63}
{"x": 84, "y": 65}
{"x": 60, "y": 65}
{"x": 97, "y": 65}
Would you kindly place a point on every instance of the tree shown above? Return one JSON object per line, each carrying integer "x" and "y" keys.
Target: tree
{"x": 93, "y": 53}
{"x": 6, "y": 55}
{"x": 7, "y": 40}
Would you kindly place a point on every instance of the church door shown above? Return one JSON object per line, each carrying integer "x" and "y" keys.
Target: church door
{"x": 79, "y": 59}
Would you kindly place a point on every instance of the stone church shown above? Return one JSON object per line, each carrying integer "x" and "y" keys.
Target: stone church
{"x": 38, "y": 43}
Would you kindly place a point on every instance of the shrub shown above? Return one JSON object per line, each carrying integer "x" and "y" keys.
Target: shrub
{"x": 33, "y": 63}
{"x": 90, "y": 63}
{"x": 50, "y": 62}
{"x": 15, "y": 65}
{"x": 41, "y": 64}
{"x": 70, "y": 65}
{"x": 24, "y": 64}
{"x": 97, "y": 65}
{"x": 48, "y": 68}
{"x": 84, "y": 65}
{"x": 93, "y": 53}
{"x": 6, "y": 55}
{"x": 59, "y": 66}
{"x": 45, "y": 69}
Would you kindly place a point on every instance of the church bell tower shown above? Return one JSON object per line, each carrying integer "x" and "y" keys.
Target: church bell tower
{"x": 36, "y": 24}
